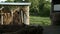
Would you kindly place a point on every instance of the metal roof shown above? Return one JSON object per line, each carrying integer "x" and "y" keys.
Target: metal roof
{"x": 15, "y": 3}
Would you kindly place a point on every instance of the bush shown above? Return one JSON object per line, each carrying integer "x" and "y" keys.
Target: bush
{"x": 34, "y": 11}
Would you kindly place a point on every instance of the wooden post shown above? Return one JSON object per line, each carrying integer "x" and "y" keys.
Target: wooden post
{"x": 26, "y": 14}
{"x": 22, "y": 16}
{"x": 1, "y": 15}
{"x": 1, "y": 18}
{"x": 12, "y": 17}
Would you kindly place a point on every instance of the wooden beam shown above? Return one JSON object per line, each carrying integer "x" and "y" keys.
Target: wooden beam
{"x": 26, "y": 14}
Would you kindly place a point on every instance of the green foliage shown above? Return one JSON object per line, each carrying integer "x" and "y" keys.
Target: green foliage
{"x": 34, "y": 11}
{"x": 44, "y": 8}
{"x": 34, "y": 8}
{"x": 40, "y": 7}
{"x": 21, "y": 1}
{"x": 9, "y": 1}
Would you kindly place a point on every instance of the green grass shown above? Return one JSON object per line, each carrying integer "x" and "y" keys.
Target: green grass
{"x": 40, "y": 20}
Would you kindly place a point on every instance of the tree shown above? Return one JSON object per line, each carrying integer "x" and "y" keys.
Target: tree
{"x": 21, "y": 1}
{"x": 44, "y": 8}
{"x": 10, "y": 1}
{"x": 34, "y": 8}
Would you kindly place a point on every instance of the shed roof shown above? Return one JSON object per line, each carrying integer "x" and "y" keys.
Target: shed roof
{"x": 15, "y": 3}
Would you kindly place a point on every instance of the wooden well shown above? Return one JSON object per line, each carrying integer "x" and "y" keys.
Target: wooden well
{"x": 14, "y": 13}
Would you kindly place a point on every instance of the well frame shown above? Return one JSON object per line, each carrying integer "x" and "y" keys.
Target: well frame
{"x": 23, "y": 6}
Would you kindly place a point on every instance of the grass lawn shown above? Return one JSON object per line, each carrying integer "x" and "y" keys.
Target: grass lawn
{"x": 40, "y": 20}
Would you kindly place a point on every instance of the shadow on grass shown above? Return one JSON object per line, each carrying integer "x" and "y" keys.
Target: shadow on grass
{"x": 18, "y": 29}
